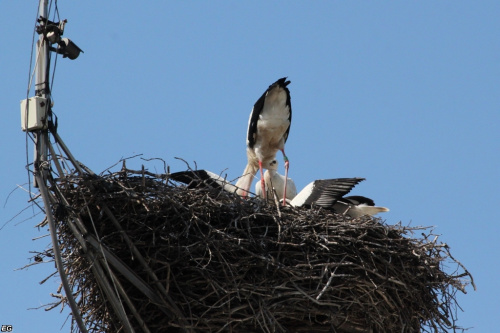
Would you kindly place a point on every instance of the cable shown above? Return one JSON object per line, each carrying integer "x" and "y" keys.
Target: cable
{"x": 57, "y": 254}
{"x": 56, "y": 11}
{"x": 30, "y": 78}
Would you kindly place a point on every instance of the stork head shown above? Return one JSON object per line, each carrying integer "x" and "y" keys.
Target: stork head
{"x": 273, "y": 165}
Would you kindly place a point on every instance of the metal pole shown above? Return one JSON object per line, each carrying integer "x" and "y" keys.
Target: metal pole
{"x": 42, "y": 89}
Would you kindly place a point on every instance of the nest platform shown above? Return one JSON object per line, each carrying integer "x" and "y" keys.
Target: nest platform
{"x": 146, "y": 254}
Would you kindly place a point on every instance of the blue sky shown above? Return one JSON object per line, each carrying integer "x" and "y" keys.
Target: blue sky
{"x": 405, "y": 94}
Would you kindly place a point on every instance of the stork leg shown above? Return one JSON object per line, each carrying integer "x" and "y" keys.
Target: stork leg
{"x": 262, "y": 181}
{"x": 286, "y": 175}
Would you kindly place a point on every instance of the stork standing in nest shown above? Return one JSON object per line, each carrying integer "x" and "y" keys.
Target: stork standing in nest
{"x": 268, "y": 128}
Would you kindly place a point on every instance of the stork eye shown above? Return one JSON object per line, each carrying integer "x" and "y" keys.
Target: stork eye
{"x": 273, "y": 162}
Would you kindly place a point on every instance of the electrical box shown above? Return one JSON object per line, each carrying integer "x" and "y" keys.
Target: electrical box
{"x": 34, "y": 114}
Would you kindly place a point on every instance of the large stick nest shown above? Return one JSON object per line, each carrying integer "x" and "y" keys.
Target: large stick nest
{"x": 220, "y": 263}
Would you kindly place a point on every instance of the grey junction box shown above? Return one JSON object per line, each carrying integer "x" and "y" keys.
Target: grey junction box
{"x": 34, "y": 114}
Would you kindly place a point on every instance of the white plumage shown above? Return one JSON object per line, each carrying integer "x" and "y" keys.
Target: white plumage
{"x": 273, "y": 180}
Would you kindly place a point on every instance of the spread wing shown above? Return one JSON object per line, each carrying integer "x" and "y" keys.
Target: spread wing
{"x": 325, "y": 192}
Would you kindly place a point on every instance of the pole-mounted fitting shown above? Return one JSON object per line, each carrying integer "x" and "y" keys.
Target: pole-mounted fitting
{"x": 52, "y": 32}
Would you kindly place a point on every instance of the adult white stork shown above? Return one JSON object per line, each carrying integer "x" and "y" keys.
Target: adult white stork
{"x": 203, "y": 178}
{"x": 268, "y": 129}
{"x": 356, "y": 206}
{"x": 273, "y": 180}
{"x": 327, "y": 193}
{"x": 324, "y": 192}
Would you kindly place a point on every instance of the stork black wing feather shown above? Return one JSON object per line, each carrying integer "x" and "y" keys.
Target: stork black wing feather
{"x": 254, "y": 118}
{"x": 195, "y": 178}
{"x": 358, "y": 199}
{"x": 330, "y": 190}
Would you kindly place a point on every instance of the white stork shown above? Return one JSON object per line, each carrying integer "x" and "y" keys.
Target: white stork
{"x": 324, "y": 192}
{"x": 268, "y": 128}
{"x": 273, "y": 180}
{"x": 356, "y": 206}
{"x": 327, "y": 193}
{"x": 202, "y": 178}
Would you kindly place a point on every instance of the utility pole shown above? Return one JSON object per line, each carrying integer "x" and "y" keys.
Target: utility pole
{"x": 35, "y": 113}
{"x": 42, "y": 90}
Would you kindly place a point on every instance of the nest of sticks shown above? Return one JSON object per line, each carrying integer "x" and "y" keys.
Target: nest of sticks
{"x": 204, "y": 260}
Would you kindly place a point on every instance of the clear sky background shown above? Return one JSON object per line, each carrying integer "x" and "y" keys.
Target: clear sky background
{"x": 405, "y": 94}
